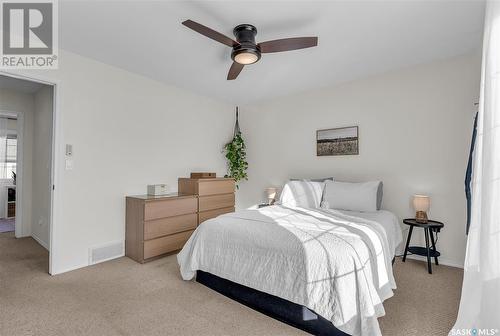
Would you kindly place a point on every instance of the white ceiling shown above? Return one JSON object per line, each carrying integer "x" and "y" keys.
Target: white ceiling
{"x": 356, "y": 39}
{"x": 22, "y": 85}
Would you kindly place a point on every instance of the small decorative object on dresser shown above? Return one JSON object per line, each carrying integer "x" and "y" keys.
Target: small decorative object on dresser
{"x": 337, "y": 141}
{"x": 271, "y": 195}
{"x": 215, "y": 195}
{"x": 429, "y": 227}
{"x": 158, "y": 225}
{"x": 421, "y": 204}
{"x": 157, "y": 189}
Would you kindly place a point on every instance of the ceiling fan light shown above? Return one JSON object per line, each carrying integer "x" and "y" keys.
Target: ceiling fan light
{"x": 246, "y": 58}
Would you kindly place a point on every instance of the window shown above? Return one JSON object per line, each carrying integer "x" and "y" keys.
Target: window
{"x": 8, "y": 156}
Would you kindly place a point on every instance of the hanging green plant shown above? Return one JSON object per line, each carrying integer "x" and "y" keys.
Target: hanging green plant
{"x": 235, "y": 152}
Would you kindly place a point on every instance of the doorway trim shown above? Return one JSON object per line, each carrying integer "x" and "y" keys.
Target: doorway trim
{"x": 57, "y": 158}
{"x": 21, "y": 229}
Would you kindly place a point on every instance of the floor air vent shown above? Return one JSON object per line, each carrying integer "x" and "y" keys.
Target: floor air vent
{"x": 106, "y": 252}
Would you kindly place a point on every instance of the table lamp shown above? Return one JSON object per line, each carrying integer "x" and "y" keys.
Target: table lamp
{"x": 271, "y": 195}
{"x": 421, "y": 204}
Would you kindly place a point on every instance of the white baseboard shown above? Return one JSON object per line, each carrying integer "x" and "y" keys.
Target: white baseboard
{"x": 69, "y": 269}
{"x": 41, "y": 242}
{"x": 74, "y": 268}
{"x": 442, "y": 261}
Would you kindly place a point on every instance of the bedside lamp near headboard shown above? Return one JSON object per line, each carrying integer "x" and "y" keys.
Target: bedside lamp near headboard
{"x": 421, "y": 204}
{"x": 271, "y": 195}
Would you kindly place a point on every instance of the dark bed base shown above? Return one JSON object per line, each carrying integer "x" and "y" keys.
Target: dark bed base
{"x": 280, "y": 309}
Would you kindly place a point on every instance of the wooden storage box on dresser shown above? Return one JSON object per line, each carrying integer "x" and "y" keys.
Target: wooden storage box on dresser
{"x": 215, "y": 195}
{"x": 158, "y": 225}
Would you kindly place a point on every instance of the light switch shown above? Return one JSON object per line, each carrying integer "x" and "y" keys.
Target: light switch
{"x": 69, "y": 164}
{"x": 69, "y": 150}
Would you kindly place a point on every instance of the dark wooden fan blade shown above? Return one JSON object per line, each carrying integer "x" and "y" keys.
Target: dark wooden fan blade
{"x": 208, "y": 32}
{"x": 234, "y": 71}
{"x": 287, "y": 44}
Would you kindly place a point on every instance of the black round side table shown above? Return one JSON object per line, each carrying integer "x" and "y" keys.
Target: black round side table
{"x": 429, "y": 227}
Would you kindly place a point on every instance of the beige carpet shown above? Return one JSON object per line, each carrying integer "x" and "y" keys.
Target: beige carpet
{"x": 122, "y": 297}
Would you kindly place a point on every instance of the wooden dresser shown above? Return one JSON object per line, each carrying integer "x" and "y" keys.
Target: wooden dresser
{"x": 158, "y": 225}
{"x": 215, "y": 195}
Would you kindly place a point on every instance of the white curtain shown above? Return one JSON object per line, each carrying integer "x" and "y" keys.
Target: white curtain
{"x": 480, "y": 303}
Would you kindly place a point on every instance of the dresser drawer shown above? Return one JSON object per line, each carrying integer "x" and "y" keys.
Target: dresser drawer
{"x": 203, "y": 216}
{"x": 215, "y": 187}
{"x": 170, "y": 207}
{"x": 166, "y": 226}
{"x": 216, "y": 202}
{"x": 159, "y": 246}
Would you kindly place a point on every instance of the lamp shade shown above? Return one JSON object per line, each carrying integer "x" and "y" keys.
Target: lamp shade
{"x": 271, "y": 192}
{"x": 421, "y": 202}
{"x": 246, "y": 58}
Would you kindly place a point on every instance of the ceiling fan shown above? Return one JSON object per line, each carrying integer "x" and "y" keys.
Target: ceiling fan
{"x": 245, "y": 50}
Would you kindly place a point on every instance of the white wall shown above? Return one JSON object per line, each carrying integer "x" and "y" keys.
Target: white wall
{"x": 414, "y": 129}
{"x": 127, "y": 131}
{"x": 42, "y": 162}
{"x": 15, "y": 101}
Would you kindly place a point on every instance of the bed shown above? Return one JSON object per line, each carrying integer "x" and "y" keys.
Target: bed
{"x": 325, "y": 271}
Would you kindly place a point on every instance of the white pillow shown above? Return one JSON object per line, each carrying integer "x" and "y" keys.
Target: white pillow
{"x": 351, "y": 196}
{"x": 306, "y": 194}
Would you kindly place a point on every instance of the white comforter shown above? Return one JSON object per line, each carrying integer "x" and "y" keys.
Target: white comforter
{"x": 336, "y": 265}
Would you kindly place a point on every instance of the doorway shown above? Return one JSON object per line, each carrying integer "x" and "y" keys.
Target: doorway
{"x": 9, "y": 136}
{"x": 26, "y": 161}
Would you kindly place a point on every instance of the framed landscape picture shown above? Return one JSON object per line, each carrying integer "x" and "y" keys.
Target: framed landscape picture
{"x": 337, "y": 141}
